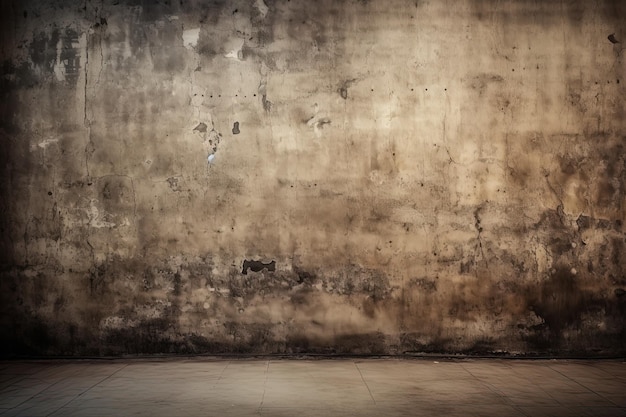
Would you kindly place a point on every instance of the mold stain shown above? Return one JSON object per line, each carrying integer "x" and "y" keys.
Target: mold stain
{"x": 561, "y": 302}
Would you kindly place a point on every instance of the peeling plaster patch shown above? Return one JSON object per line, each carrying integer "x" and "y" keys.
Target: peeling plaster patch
{"x": 190, "y": 38}
{"x": 44, "y": 144}
{"x": 95, "y": 218}
{"x": 214, "y": 138}
{"x": 202, "y": 127}
{"x": 257, "y": 266}
{"x": 211, "y": 140}
{"x": 173, "y": 183}
{"x": 261, "y": 7}
{"x": 235, "y": 46}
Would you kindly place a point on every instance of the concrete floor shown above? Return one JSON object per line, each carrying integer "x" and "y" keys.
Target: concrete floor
{"x": 340, "y": 387}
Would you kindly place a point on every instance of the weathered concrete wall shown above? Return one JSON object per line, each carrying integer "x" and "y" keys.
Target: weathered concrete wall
{"x": 426, "y": 176}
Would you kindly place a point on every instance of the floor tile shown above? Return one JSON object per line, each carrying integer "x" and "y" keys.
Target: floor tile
{"x": 339, "y": 387}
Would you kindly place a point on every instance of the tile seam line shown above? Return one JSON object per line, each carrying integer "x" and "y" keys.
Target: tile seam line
{"x": 585, "y": 387}
{"x": 267, "y": 374}
{"x": 86, "y": 390}
{"x": 605, "y": 371}
{"x": 356, "y": 365}
{"x": 529, "y": 379}
{"x": 38, "y": 392}
{"x": 219, "y": 378}
{"x": 505, "y": 399}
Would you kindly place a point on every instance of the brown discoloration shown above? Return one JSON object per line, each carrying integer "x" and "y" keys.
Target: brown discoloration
{"x": 422, "y": 181}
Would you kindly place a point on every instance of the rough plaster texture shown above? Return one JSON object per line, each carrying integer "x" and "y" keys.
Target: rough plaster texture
{"x": 293, "y": 176}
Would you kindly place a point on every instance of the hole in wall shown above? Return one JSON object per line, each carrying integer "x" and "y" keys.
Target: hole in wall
{"x": 257, "y": 266}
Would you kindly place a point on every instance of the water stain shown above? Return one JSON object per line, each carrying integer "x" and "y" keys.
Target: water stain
{"x": 560, "y": 301}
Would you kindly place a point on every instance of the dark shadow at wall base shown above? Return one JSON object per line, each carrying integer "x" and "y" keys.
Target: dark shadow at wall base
{"x": 152, "y": 344}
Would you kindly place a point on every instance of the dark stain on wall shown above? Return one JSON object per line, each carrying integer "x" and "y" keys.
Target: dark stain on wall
{"x": 446, "y": 209}
{"x": 43, "y": 50}
{"x": 57, "y": 48}
{"x": 202, "y": 127}
{"x": 560, "y": 302}
{"x": 343, "y": 89}
{"x": 257, "y": 266}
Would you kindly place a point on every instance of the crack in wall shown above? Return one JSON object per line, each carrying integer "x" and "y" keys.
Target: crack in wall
{"x": 86, "y": 121}
{"x": 546, "y": 175}
{"x": 479, "y": 229}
